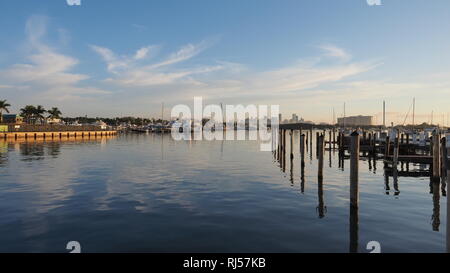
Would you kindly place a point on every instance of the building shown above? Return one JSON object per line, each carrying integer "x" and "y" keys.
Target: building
{"x": 54, "y": 121}
{"x": 294, "y": 118}
{"x": 356, "y": 121}
{"x": 12, "y": 119}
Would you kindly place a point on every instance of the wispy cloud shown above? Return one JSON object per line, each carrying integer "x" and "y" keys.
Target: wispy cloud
{"x": 336, "y": 52}
{"x": 46, "y": 68}
{"x": 139, "y": 27}
{"x": 129, "y": 71}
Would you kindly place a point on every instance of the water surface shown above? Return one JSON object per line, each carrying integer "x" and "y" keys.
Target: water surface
{"x": 149, "y": 193}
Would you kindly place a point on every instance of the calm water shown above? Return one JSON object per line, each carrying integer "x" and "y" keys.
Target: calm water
{"x": 148, "y": 193}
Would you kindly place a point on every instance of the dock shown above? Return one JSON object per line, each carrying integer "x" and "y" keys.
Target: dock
{"x": 55, "y": 134}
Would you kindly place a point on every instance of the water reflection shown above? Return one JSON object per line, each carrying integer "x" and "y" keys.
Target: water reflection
{"x": 151, "y": 193}
{"x": 321, "y": 208}
{"x": 354, "y": 229}
{"x": 435, "y": 218}
{"x": 409, "y": 176}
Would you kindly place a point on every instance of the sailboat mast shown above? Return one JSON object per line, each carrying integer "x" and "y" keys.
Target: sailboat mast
{"x": 414, "y": 111}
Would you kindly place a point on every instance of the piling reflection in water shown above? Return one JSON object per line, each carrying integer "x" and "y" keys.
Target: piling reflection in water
{"x": 321, "y": 208}
{"x": 435, "y": 218}
{"x": 354, "y": 229}
{"x": 396, "y": 169}
{"x": 184, "y": 191}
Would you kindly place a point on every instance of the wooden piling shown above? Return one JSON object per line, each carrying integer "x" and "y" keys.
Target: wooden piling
{"x": 291, "y": 133}
{"x": 279, "y": 145}
{"x": 373, "y": 145}
{"x": 341, "y": 143}
{"x": 395, "y": 158}
{"x": 448, "y": 196}
{"x": 354, "y": 169}
{"x": 302, "y": 150}
{"x": 334, "y": 138}
{"x": 444, "y": 157}
{"x": 317, "y": 140}
{"x": 329, "y": 140}
{"x": 436, "y": 141}
{"x": 386, "y": 149}
{"x": 321, "y": 144}
{"x": 284, "y": 150}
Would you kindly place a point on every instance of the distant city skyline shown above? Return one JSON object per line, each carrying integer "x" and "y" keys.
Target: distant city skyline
{"x": 309, "y": 57}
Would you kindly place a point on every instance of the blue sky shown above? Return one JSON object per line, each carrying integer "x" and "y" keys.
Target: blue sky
{"x": 116, "y": 58}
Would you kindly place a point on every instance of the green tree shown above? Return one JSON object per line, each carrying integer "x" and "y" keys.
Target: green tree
{"x": 3, "y": 107}
{"x": 54, "y": 113}
{"x": 28, "y": 112}
{"x": 39, "y": 113}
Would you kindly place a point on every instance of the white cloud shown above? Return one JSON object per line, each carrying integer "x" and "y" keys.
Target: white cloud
{"x": 142, "y": 53}
{"x": 46, "y": 69}
{"x": 128, "y": 71}
{"x": 336, "y": 52}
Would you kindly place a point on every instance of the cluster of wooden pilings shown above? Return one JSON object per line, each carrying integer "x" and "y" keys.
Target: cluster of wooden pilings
{"x": 393, "y": 150}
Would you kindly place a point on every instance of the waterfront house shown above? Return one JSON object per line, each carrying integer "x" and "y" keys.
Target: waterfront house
{"x": 12, "y": 119}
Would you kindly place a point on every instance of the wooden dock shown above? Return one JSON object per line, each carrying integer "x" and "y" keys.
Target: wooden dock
{"x": 55, "y": 135}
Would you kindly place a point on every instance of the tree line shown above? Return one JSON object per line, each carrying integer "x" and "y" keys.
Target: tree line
{"x": 32, "y": 114}
{"x": 37, "y": 114}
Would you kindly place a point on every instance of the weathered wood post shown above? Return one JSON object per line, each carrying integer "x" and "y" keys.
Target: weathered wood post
{"x": 321, "y": 144}
{"x": 279, "y": 145}
{"x": 292, "y": 144}
{"x": 284, "y": 150}
{"x": 330, "y": 139}
{"x": 341, "y": 143}
{"x": 447, "y": 137}
{"x": 317, "y": 142}
{"x": 395, "y": 158}
{"x": 431, "y": 145}
{"x": 302, "y": 150}
{"x": 444, "y": 157}
{"x": 386, "y": 149}
{"x": 436, "y": 156}
{"x": 334, "y": 138}
{"x": 354, "y": 169}
{"x": 306, "y": 141}
{"x": 374, "y": 145}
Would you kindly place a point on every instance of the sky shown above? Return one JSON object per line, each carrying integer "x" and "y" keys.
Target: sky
{"x": 125, "y": 58}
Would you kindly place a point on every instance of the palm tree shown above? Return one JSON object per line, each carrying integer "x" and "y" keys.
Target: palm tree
{"x": 28, "y": 112}
{"x": 39, "y": 113}
{"x": 3, "y": 107}
{"x": 54, "y": 113}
